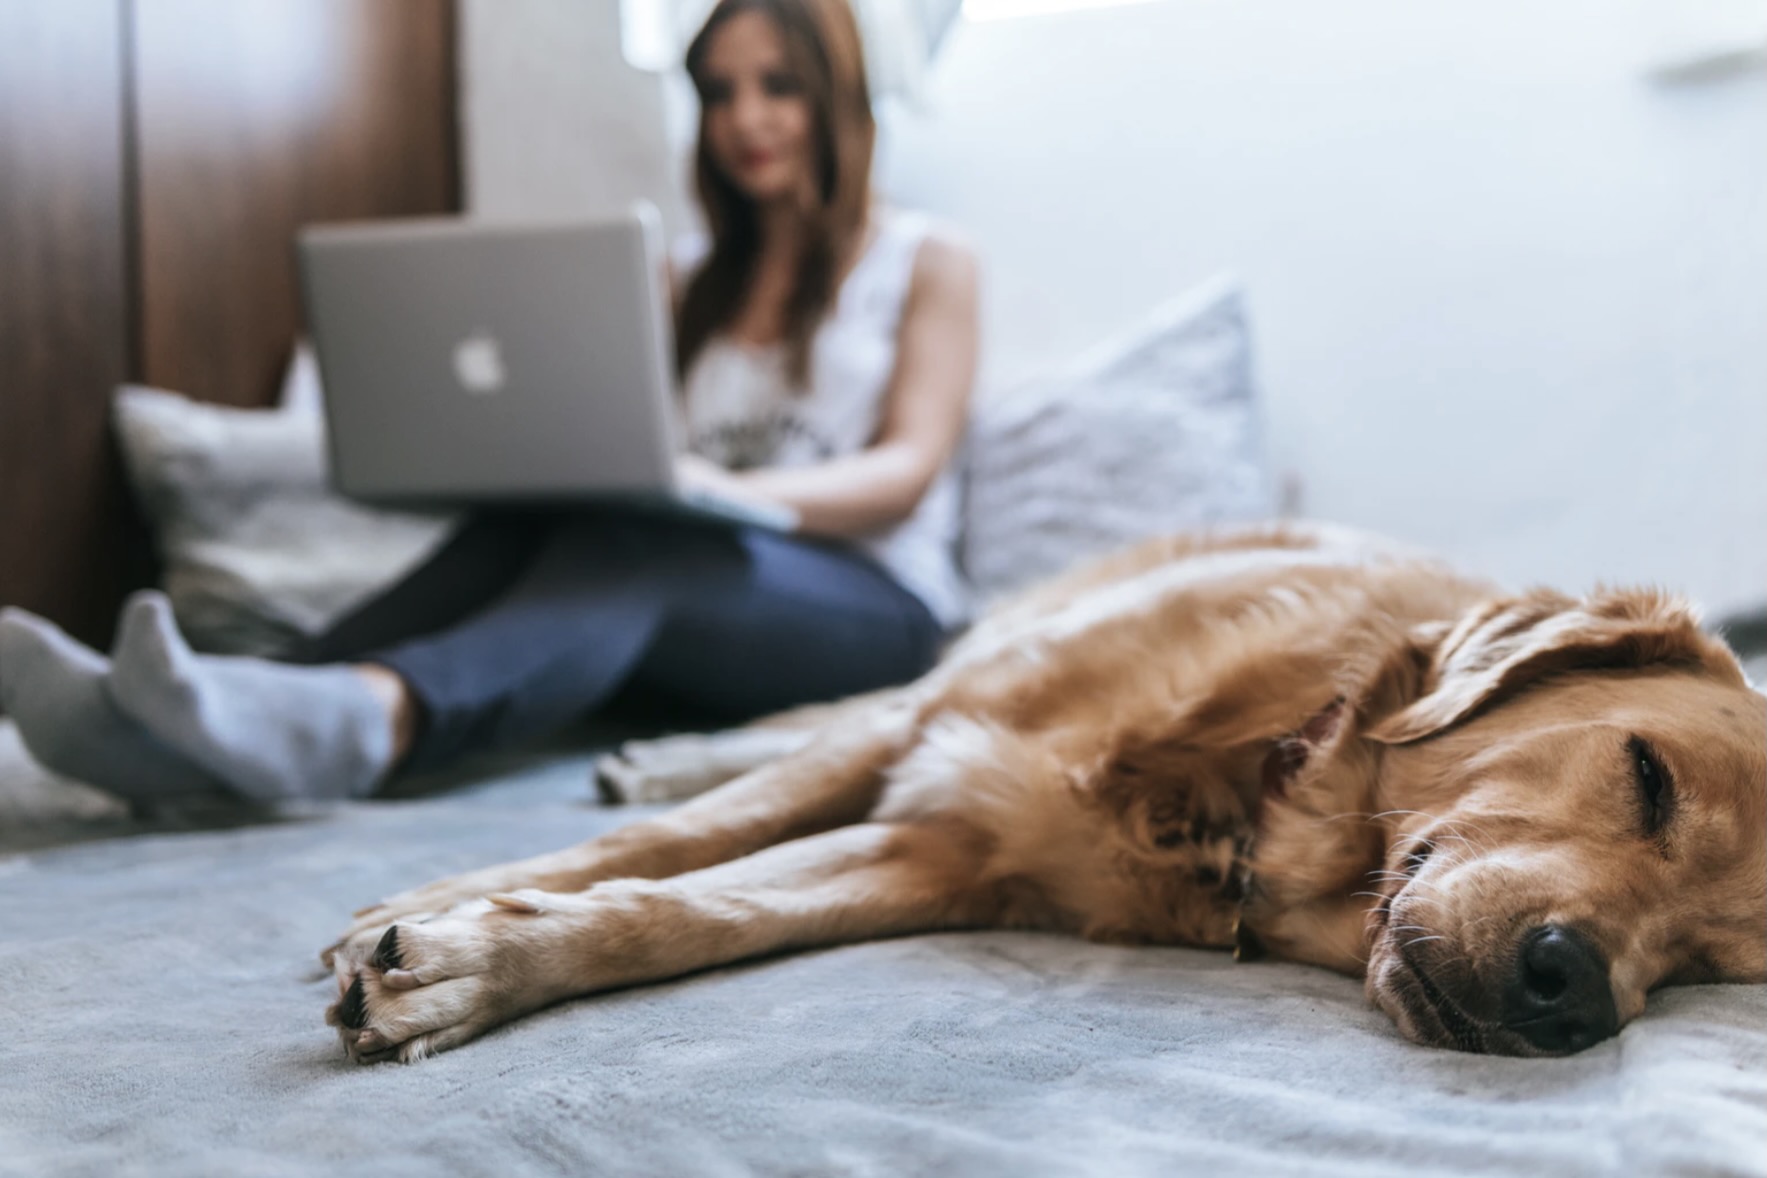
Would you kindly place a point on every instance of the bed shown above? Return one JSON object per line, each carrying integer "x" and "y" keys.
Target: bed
{"x": 163, "y": 997}
{"x": 163, "y": 1016}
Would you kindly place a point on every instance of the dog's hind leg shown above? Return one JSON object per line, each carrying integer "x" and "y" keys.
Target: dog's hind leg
{"x": 835, "y": 780}
{"x": 672, "y": 768}
{"x": 420, "y": 988}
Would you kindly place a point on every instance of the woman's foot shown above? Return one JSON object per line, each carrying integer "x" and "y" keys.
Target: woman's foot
{"x": 271, "y": 730}
{"x": 54, "y": 689}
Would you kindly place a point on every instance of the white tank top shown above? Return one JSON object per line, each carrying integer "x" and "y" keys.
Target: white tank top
{"x": 742, "y": 413}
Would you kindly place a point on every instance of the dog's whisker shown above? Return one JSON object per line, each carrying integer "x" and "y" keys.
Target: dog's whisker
{"x": 1406, "y": 881}
{"x": 1361, "y": 815}
{"x": 1402, "y": 813}
{"x": 1453, "y": 831}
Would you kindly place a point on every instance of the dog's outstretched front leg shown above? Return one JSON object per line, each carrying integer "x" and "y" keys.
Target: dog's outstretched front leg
{"x": 425, "y": 987}
{"x": 835, "y": 780}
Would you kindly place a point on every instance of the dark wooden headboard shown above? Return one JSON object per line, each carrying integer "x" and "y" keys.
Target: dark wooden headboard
{"x": 155, "y": 158}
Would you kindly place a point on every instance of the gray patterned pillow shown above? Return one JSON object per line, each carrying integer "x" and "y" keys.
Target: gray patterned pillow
{"x": 257, "y": 549}
{"x": 1153, "y": 432}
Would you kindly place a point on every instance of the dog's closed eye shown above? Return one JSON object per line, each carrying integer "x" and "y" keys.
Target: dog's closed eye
{"x": 1656, "y": 788}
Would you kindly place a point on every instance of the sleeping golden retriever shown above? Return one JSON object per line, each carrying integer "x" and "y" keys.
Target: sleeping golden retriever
{"x": 1514, "y": 815}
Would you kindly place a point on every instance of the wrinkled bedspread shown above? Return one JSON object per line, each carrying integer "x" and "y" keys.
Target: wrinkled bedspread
{"x": 161, "y": 1014}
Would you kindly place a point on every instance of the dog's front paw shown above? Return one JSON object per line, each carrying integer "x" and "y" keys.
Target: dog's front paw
{"x": 418, "y": 904}
{"x": 415, "y": 988}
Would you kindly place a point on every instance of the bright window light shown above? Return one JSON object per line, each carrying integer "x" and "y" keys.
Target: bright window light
{"x": 649, "y": 39}
{"x": 1008, "y": 9}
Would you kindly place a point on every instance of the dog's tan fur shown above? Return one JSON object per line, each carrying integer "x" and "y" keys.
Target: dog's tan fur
{"x": 1241, "y": 735}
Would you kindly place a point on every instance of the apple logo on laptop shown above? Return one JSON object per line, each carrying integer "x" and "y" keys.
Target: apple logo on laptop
{"x": 478, "y": 364}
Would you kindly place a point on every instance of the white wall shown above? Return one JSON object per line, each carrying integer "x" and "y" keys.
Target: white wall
{"x": 1510, "y": 294}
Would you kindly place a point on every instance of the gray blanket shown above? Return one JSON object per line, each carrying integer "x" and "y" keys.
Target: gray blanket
{"x": 162, "y": 1006}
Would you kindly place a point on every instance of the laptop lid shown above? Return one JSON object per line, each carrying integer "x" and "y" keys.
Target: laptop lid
{"x": 464, "y": 361}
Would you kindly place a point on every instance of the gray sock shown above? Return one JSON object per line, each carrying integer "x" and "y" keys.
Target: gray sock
{"x": 271, "y": 730}
{"x": 54, "y": 689}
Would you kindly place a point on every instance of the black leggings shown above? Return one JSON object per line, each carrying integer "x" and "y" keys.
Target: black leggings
{"x": 526, "y": 621}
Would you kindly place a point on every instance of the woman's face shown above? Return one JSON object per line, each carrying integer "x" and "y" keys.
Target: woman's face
{"x": 757, "y": 120}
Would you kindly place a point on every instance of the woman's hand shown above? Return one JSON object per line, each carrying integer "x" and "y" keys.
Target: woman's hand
{"x": 702, "y": 476}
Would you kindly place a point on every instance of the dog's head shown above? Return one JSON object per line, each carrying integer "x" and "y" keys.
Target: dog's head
{"x": 1584, "y": 794}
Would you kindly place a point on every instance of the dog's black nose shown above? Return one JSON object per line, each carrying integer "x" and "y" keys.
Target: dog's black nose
{"x": 1558, "y": 998}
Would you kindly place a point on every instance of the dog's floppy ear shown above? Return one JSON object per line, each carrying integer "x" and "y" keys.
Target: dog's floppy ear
{"x": 1500, "y": 647}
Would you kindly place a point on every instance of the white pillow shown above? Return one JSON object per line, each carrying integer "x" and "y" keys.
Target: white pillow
{"x": 257, "y": 549}
{"x": 1153, "y": 432}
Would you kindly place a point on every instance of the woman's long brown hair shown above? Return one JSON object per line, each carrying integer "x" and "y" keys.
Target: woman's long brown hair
{"x": 822, "y": 44}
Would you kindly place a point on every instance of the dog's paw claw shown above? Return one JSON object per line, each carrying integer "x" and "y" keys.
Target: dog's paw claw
{"x": 386, "y": 953}
{"x": 352, "y": 1012}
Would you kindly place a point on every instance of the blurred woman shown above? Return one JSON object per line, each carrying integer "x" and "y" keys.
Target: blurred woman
{"x": 826, "y": 347}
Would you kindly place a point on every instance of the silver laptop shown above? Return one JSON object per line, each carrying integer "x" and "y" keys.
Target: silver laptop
{"x": 475, "y": 363}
